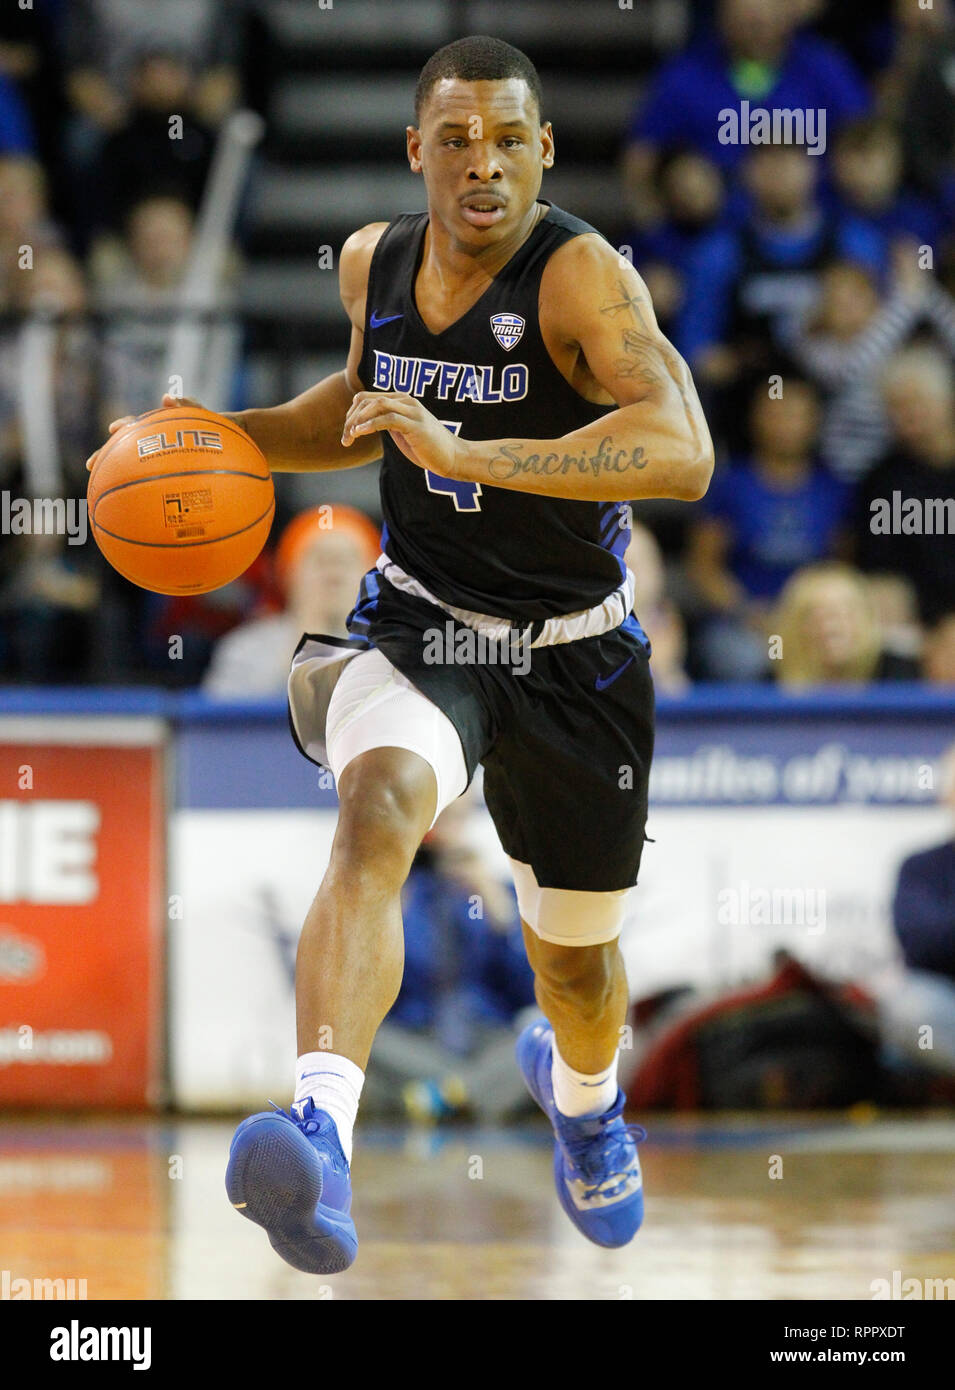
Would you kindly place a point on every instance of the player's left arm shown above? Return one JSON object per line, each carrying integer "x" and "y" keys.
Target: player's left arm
{"x": 655, "y": 444}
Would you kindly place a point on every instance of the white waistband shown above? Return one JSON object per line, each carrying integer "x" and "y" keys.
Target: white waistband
{"x": 568, "y": 627}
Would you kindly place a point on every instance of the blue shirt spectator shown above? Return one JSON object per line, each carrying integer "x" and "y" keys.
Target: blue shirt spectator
{"x": 459, "y": 970}
{"x": 910, "y": 217}
{"x": 692, "y": 201}
{"x": 868, "y": 181}
{"x": 775, "y": 530}
{"x": 16, "y": 129}
{"x": 767, "y": 267}
{"x": 684, "y": 103}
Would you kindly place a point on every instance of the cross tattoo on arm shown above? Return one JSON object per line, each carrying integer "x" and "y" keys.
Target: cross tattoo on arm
{"x": 627, "y": 301}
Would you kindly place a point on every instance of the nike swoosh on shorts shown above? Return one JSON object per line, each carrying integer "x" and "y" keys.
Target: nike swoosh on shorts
{"x": 603, "y": 681}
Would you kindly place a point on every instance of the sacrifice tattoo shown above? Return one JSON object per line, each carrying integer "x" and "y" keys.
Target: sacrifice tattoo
{"x": 649, "y": 359}
{"x": 513, "y": 460}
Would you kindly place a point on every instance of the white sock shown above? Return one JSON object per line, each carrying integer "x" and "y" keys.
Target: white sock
{"x": 334, "y": 1083}
{"x": 577, "y": 1094}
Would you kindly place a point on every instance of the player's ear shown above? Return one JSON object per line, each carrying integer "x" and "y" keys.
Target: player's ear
{"x": 547, "y": 145}
{"x": 413, "y": 142}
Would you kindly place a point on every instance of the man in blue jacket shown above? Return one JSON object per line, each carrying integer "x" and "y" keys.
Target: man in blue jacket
{"x": 919, "y": 1017}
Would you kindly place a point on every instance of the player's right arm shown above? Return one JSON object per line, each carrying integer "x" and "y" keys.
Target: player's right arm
{"x": 304, "y": 435}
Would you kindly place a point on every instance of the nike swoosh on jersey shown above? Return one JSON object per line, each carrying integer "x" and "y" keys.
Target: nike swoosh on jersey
{"x": 376, "y": 322}
{"x": 603, "y": 681}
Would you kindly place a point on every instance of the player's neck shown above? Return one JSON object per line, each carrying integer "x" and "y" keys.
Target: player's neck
{"x": 454, "y": 268}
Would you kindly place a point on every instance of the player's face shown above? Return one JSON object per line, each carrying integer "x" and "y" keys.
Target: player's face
{"x": 482, "y": 150}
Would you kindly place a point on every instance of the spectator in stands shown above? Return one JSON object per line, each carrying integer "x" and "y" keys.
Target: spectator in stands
{"x": 868, "y": 165}
{"x": 55, "y": 287}
{"x": 25, "y": 222}
{"x": 176, "y": 636}
{"x": 918, "y": 1011}
{"x": 21, "y": 62}
{"x": 102, "y": 42}
{"x": 757, "y": 56}
{"x": 145, "y": 155}
{"x": 154, "y": 258}
{"x": 861, "y": 29}
{"x": 905, "y": 500}
{"x": 143, "y": 285}
{"x": 146, "y": 279}
{"x": 766, "y": 515}
{"x": 49, "y": 590}
{"x": 29, "y": 59}
{"x": 691, "y": 203}
{"x": 16, "y": 128}
{"x": 846, "y": 337}
{"x": 938, "y": 655}
{"x": 915, "y": 91}
{"x": 827, "y": 632}
{"x": 53, "y": 284}
{"x": 320, "y": 560}
{"x": 896, "y": 607}
{"x": 745, "y": 280}
{"x": 448, "y": 1043}
{"x": 48, "y": 609}
{"x": 658, "y": 615}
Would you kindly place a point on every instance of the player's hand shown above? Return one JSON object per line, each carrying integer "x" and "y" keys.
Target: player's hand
{"x": 168, "y": 403}
{"x": 420, "y": 437}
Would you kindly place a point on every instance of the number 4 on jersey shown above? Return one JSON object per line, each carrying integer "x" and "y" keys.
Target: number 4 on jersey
{"x": 466, "y": 496}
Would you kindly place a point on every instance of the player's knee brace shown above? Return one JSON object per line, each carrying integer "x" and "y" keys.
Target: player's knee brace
{"x": 565, "y": 917}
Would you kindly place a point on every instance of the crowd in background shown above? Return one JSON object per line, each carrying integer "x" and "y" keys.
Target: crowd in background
{"x": 809, "y": 288}
{"x": 811, "y": 294}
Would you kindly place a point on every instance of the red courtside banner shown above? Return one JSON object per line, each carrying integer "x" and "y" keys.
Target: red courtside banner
{"x": 82, "y": 860}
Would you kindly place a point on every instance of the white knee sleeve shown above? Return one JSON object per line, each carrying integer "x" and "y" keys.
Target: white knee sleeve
{"x": 564, "y": 916}
{"x": 374, "y": 706}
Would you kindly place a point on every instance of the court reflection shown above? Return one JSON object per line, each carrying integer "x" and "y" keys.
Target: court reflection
{"x": 137, "y": 1208}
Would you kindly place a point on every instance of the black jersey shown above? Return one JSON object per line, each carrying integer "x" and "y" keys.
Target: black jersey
{"x": 491, "y": 550}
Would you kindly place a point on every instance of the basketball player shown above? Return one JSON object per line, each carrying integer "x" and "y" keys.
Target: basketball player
{"x": 506, "y": 363}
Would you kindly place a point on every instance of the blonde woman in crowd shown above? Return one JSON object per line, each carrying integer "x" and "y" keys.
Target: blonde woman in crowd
{"x": 825, "y": 631}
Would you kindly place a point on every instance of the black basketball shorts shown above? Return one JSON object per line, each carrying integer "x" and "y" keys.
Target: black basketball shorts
{"x": 564, "y": 733}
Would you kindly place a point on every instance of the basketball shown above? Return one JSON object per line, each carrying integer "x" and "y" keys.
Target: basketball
{"x": 181, "y": 501}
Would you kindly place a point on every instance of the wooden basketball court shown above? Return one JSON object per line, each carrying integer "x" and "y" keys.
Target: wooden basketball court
{"x": 137, "y": 1208}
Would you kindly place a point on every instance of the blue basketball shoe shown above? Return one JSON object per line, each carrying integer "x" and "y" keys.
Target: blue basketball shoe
{"x": 288, "y": 1173}
{"x": 596, "y": 1167}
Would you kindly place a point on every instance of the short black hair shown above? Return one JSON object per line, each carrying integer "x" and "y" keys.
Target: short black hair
{"x": 478, "y": 58}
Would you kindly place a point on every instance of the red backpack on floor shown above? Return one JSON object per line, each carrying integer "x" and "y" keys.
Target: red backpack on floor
{"x": 793, "y": 1042}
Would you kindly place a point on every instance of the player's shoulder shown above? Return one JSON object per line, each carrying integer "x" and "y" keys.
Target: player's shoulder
{"x": 354, "y": 264}
{"x": 586, "y": 251}
{"x": 358, "y": 249}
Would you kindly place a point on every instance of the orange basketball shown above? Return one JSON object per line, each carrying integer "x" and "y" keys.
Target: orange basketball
{"x": 180, "y": 501}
